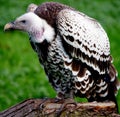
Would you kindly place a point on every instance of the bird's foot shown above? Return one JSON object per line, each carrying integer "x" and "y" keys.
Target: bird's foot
{"x": 64, "y": 103}
{"x": 68, "y": 103}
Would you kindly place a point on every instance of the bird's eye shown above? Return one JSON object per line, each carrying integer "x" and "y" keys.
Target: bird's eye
{"x": 23, "y": 21}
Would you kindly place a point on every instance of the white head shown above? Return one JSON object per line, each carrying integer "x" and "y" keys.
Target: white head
{"x": 38, "y": 28}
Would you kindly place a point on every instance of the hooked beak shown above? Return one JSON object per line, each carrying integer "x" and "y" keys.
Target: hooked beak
{"x": 9, "y": 26}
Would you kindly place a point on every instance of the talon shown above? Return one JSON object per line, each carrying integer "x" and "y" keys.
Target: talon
{"x": 46, "y": 101}
{"x": 57, "y": 100}
{"x": 42, "y": 103}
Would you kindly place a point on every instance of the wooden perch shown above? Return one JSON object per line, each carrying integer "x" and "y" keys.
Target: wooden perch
{"x": 31, "y": 108}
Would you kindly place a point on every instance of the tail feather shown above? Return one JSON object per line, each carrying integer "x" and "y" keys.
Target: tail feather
{"x": 114, "y": 78}
{"x": 114, "y": 84}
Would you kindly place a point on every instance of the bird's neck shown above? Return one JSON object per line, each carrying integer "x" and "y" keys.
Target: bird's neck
{"x": 39, "y": 34}
{"x": 36, "y": 35}
{"x": 41, "y": 49}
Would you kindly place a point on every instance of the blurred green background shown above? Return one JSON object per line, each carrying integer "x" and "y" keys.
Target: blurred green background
{"x": 21, "y": 76}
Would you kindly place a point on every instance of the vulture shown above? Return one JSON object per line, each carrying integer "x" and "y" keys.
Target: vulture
{"x": 73, "y": 49}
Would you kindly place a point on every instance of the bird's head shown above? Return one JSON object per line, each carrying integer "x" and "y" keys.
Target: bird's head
{"x": 38, "y": 29}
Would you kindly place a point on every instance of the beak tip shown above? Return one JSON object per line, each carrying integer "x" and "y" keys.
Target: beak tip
{"x": 8, "y": 26}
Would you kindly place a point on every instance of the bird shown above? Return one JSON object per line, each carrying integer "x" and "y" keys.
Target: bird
{"x": 73, "y": 49}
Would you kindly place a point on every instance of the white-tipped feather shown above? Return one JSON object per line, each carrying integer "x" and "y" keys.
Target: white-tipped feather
{"x": 86, "y": 76}
{"x": 102, "y": 88}
{"x": 104, "y": 94}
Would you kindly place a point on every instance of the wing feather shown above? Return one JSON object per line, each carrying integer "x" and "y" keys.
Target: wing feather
{"x": 84, "y": 39}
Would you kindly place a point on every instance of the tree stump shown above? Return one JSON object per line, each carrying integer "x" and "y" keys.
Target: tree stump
{"x": 32, "y": 108}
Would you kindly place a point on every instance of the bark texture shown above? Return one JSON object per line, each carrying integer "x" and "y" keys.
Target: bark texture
{"x": 46, "y": 108}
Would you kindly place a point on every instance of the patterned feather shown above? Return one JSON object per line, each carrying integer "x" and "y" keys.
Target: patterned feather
{"x": 86, "y": 38}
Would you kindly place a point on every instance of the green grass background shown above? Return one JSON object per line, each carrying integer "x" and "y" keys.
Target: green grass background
{"x": 21, "y": 76}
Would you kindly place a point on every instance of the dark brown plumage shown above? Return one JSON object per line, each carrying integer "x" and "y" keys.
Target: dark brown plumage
{"x": 49, "y": 13}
